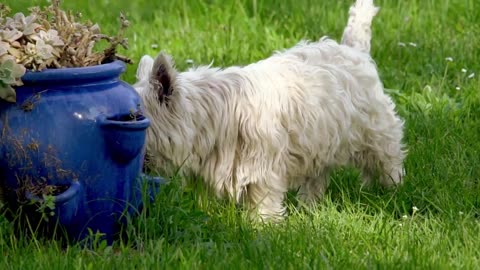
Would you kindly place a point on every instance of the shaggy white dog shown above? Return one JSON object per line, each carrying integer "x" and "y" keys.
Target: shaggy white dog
{"x": 254, "y": 132}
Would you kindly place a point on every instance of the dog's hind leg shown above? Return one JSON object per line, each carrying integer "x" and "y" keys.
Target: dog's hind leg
{"x": 384, "y": 157}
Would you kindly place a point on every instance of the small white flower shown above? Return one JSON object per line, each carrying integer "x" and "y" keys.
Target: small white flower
{"x": 449, "y": 59}
{"x": 415, "y": 209}
{"x": 401, "y": 225}
{"x": 189, "y": 61}
{"x": 460, "y": 213}
{"x": 412, "y": 44}
{"x": 401, "y": 44}
{"x": 471, "y": 75}
{"x": 464, "y": 70}
{"x": 154, "y": 46}
{"x": 404, "y": 216}
{"x": 457, "y": 88}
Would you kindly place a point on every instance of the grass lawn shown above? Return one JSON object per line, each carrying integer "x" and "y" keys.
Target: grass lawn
{"x": 426, "y": 51}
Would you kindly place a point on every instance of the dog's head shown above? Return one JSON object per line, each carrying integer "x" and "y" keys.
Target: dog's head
{"x": 156, "y": 85}
{"x": 176, "y": 105}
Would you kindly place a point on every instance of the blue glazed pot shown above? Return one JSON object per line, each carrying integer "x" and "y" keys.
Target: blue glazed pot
{"x": 76, "y": 135}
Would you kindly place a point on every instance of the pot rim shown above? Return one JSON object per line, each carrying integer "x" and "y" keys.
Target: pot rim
{"x": 110, "y": 122}
{"x": 78, "y": 74}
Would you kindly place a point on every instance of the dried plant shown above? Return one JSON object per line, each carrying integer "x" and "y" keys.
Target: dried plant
{"x": 50, "y": 38}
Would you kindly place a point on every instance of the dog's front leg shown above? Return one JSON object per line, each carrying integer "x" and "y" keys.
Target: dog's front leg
{"x": 266, "y": 202}
{"x": 263, "y": 192}
{"x": 313, "y": 189}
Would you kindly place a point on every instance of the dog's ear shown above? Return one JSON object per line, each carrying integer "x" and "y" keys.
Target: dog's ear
{"x": 163, "y": 76}
{"x": 144, "y": 68}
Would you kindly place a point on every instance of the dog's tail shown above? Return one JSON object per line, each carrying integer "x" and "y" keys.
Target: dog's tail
{"x": 357, "y": 33}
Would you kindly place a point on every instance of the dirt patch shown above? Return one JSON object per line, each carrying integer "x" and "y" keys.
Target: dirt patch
{"x": 30, "y": 102}
{"x": 41, "y": 187}
{"x": 35, "y": 166}
{"x": 33, "y": 146}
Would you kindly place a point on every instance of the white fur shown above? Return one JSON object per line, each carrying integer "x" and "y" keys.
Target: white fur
{"x": 254, "y": 132}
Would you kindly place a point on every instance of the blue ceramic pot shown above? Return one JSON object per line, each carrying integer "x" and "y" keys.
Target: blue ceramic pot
{"x": 76, "y": 135}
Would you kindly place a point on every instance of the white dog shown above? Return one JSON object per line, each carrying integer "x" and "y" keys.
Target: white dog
{"x": 254, "y": 132}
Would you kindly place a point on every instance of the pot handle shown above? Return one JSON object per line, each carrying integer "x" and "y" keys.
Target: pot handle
{"x": 124, "y": 122}
{"x": 154, "y": 183}
{"x": 65, "y": 196}
{"x": 124, "y": 136}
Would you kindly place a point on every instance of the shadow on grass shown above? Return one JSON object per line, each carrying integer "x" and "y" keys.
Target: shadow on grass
{"x": 442, "y": 170}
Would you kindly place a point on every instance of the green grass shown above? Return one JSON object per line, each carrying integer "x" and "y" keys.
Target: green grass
{"x": 352, "y": 228}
